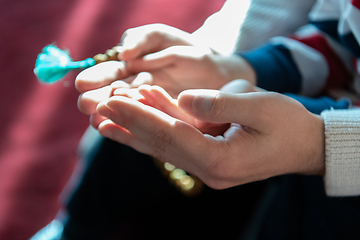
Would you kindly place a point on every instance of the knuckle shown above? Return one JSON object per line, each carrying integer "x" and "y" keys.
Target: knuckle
{"x": 246, "y": 85}
{"x": 217, "y": 106}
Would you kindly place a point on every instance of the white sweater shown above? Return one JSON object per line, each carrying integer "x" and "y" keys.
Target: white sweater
{"x": 342, "y": 152}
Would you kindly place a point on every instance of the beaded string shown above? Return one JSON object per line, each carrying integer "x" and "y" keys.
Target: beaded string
{"x": 53, "y": 64}
{"x": 187, "y": 184}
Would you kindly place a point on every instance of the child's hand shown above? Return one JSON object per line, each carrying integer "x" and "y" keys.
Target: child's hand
{"x": 140, "y": 41}
{"x": 175, "y": 62}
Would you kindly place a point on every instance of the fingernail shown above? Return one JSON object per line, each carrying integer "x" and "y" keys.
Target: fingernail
{"x": 186, "y": 101}
{"x": 197, "y": 100}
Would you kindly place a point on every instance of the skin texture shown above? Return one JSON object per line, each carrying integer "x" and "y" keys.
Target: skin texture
{"x": 175, "y": 60}
{"x": 266, "y": 134}
{"x": 231, "y": 136}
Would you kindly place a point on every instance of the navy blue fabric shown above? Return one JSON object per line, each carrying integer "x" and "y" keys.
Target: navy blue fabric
{"x": 317, "y": 105}
{"x": 275, "y": 68}
{"x": 329, "y": 27}
{"x": 350, "y": 42}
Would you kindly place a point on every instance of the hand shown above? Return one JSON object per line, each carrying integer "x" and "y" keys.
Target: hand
{"x": 174, "y": 69}
{"x": 97, "y": 83}
{"x": 270, "y": 134}
{"x": 155, "y": 96}
{"x": 158, "y": 98}
{"x": 140, "y": 41}
{"x": 170, "y": 55}
{"x": 136, "y": 42}
{"x": 178, "y": 61}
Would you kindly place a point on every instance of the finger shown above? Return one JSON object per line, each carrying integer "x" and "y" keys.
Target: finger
{"x": 139, "y": 41}
{"x": 163, "y": 134}
{"x": 96, "y": 119}
{"x": 130, "y": 93}
{"x": 248, "y": 109}
{"x": 120, "y": 84}
{"x": 165, "y": 57}
{"x": 88, "y": 101}
{"x": 154, "y": 61}
{"x": 143, "y": 40}
{"x": 142, "y": 78}
{"x": 240, "y": 86}
{"x": 161, "y": 100}
{"x": 111, "y": 130}
{"x": 100, "y": 75}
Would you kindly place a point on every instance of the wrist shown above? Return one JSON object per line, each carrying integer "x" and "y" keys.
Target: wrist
{"x": 236, "y": 67}
{"x": 317, "y": 154}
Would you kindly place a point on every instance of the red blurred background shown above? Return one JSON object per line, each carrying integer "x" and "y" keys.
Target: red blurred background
{"x": 40, "y": 124}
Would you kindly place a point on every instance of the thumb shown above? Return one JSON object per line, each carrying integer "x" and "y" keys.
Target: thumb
{"x": 139, "y": 41}
{"x": 213, "y": 106}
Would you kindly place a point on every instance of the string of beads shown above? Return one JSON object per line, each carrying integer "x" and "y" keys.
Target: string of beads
{"x": 187, "y": 184}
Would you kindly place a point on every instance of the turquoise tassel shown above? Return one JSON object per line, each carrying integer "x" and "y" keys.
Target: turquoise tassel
{"x": 53, "y": 64}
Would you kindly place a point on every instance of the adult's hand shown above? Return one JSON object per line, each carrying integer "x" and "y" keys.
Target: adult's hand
{"x": 270, "y": 134}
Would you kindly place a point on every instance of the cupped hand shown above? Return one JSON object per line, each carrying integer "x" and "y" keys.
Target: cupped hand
{"x": 154, "y": 96}
{"x": 269, "y": 134}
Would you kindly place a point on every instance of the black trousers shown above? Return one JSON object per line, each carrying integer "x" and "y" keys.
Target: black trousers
{"x": 300, "y": 209}
{"x": 123, "y": 195}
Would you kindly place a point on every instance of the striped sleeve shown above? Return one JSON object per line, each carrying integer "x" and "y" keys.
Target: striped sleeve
{"x": 318, "y": 57}
{"x": 306, "y": 63}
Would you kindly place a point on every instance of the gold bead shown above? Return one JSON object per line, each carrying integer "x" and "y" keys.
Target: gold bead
{"x": 177, "y": 174}
{"x": 169, "y": 166}
{"x": 118, "y": 48}
{"x": 187, "y": 182}
{"x": 112, "y": 54}
{"x": 99, "y": 58}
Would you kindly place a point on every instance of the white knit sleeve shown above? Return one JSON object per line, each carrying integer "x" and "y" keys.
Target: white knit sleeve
{"x": 342, "y": 152}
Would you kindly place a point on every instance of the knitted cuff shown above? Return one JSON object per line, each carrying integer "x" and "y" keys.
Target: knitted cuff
{"x": 342, "y": 152}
